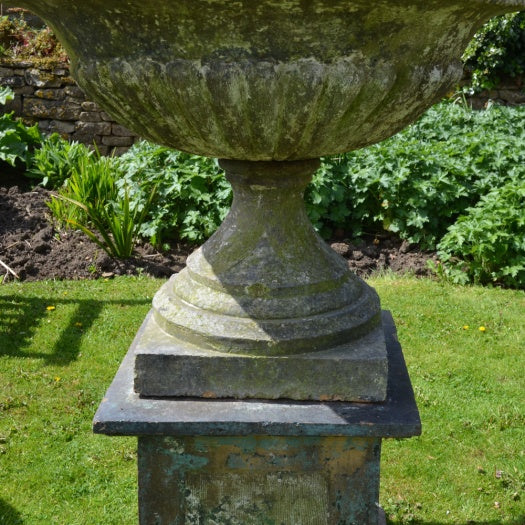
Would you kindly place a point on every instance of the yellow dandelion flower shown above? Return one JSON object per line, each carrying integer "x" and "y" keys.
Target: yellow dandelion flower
{"x": 50, "y": 308}
{"x": 482, "y": 329}
{"x": 466, "y": 327}
{"x": 57, "y": 379}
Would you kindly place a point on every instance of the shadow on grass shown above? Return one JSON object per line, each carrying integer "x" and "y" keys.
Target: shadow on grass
{"x": 9, "y": 515}
{"x": 519, "y": 521}
{"x": 21, "y": 318}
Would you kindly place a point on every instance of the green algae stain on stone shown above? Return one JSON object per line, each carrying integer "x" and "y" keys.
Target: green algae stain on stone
{"x": 254, "y": 480}
{"x": 266, "y": 80}
{"x": 178, "y": 461}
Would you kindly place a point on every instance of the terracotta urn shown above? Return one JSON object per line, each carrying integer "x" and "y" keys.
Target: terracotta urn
{"x": 265, "y": 308}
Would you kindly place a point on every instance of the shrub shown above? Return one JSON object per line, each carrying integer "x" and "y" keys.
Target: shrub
{"x": 420, "y": 181}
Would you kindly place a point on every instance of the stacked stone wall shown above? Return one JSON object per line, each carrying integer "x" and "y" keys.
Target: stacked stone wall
{"x": 509, "y": 92}
{"x": 50, "y": 97}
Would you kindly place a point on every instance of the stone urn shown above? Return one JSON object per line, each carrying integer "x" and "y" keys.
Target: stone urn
{"x": 265, "y": 309}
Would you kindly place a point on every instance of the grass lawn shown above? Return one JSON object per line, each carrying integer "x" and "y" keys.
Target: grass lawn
{"x": 61, "y": 343}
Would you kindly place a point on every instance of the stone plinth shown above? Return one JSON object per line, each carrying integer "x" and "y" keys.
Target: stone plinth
{"x": 253, "y": 461}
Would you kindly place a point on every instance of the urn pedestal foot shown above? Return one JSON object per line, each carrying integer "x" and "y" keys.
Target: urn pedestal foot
{"x": 260, "y": 461}
{"x": 264, "y": 309}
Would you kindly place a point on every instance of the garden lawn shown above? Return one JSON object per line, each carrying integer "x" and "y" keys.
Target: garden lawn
{"x": 62, "y": 342}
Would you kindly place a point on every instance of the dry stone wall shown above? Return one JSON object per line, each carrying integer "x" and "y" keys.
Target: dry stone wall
{"x": 509, "y": 92}
{"x": 50, "y": 97}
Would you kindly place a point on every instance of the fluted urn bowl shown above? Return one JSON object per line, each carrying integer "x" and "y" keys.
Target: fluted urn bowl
{"x": 265, "y": 308}
{"x": 267, "y": 80}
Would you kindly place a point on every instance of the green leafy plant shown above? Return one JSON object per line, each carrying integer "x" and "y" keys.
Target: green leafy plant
{"x": 92, "y": 184}
{"x": 6, "y": 94}
{"x": 192, "y": 195}
{"x": 487, "y": 243}
{"x": 417, "y": 183}
{"x": 496, "y": 51}
{"x": 91, "y": 202}
{"x": 17, "y": 141}
{"x": 56, "y": 159}
{"x": 117, "y": 223}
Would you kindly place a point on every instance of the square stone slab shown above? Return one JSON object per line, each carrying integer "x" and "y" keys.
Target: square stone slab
{"x": 168, "y": 367}
{"x": 124, "y": 412}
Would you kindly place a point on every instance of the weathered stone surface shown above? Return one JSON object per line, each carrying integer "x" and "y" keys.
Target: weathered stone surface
{"x": 75, "y": 92}
{"x": 513, "y": 97}
{"x": 89, "y": 116}
{"x": 13, "y": 82}
{"x": 61, "y": 127}
{"x": 90, "y": 106}
{"x": 121, "y": 131}
{"x": 52, "y": 109}
{"x": 105, "y": 116}
{"x": 24, "y": 90}
{"x": 266, "y": 285}
{"x": 106, "y": 150}
{"x": 124, "y": 412}
{"x": 355, "y": 371}
{"x": 255, "y": 480}
{"x": 194, "y": 453}
{"x": 117, "y": 141}
{"x": 12, "y": 105}
{"x": 43, "y": 125}
{"x": 314, "y": 78}
{"x": 50, "y": 94}
{"x": 6, "y": 72}
{"x": 117, "y": 151}
{"x": 93, "y": 128}
{"x": 41, "y": 79}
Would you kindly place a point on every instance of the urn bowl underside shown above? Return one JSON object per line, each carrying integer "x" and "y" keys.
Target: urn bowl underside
{"x": 267, "y": 80}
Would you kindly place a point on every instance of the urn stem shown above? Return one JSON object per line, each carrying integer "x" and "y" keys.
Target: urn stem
{"x": 265, "y": 283}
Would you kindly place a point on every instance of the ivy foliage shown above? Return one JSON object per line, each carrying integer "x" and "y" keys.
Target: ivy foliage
{"x": 496, "y": 51}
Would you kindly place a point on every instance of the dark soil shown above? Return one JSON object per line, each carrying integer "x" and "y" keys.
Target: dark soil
{"x": 32, "y": 249}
